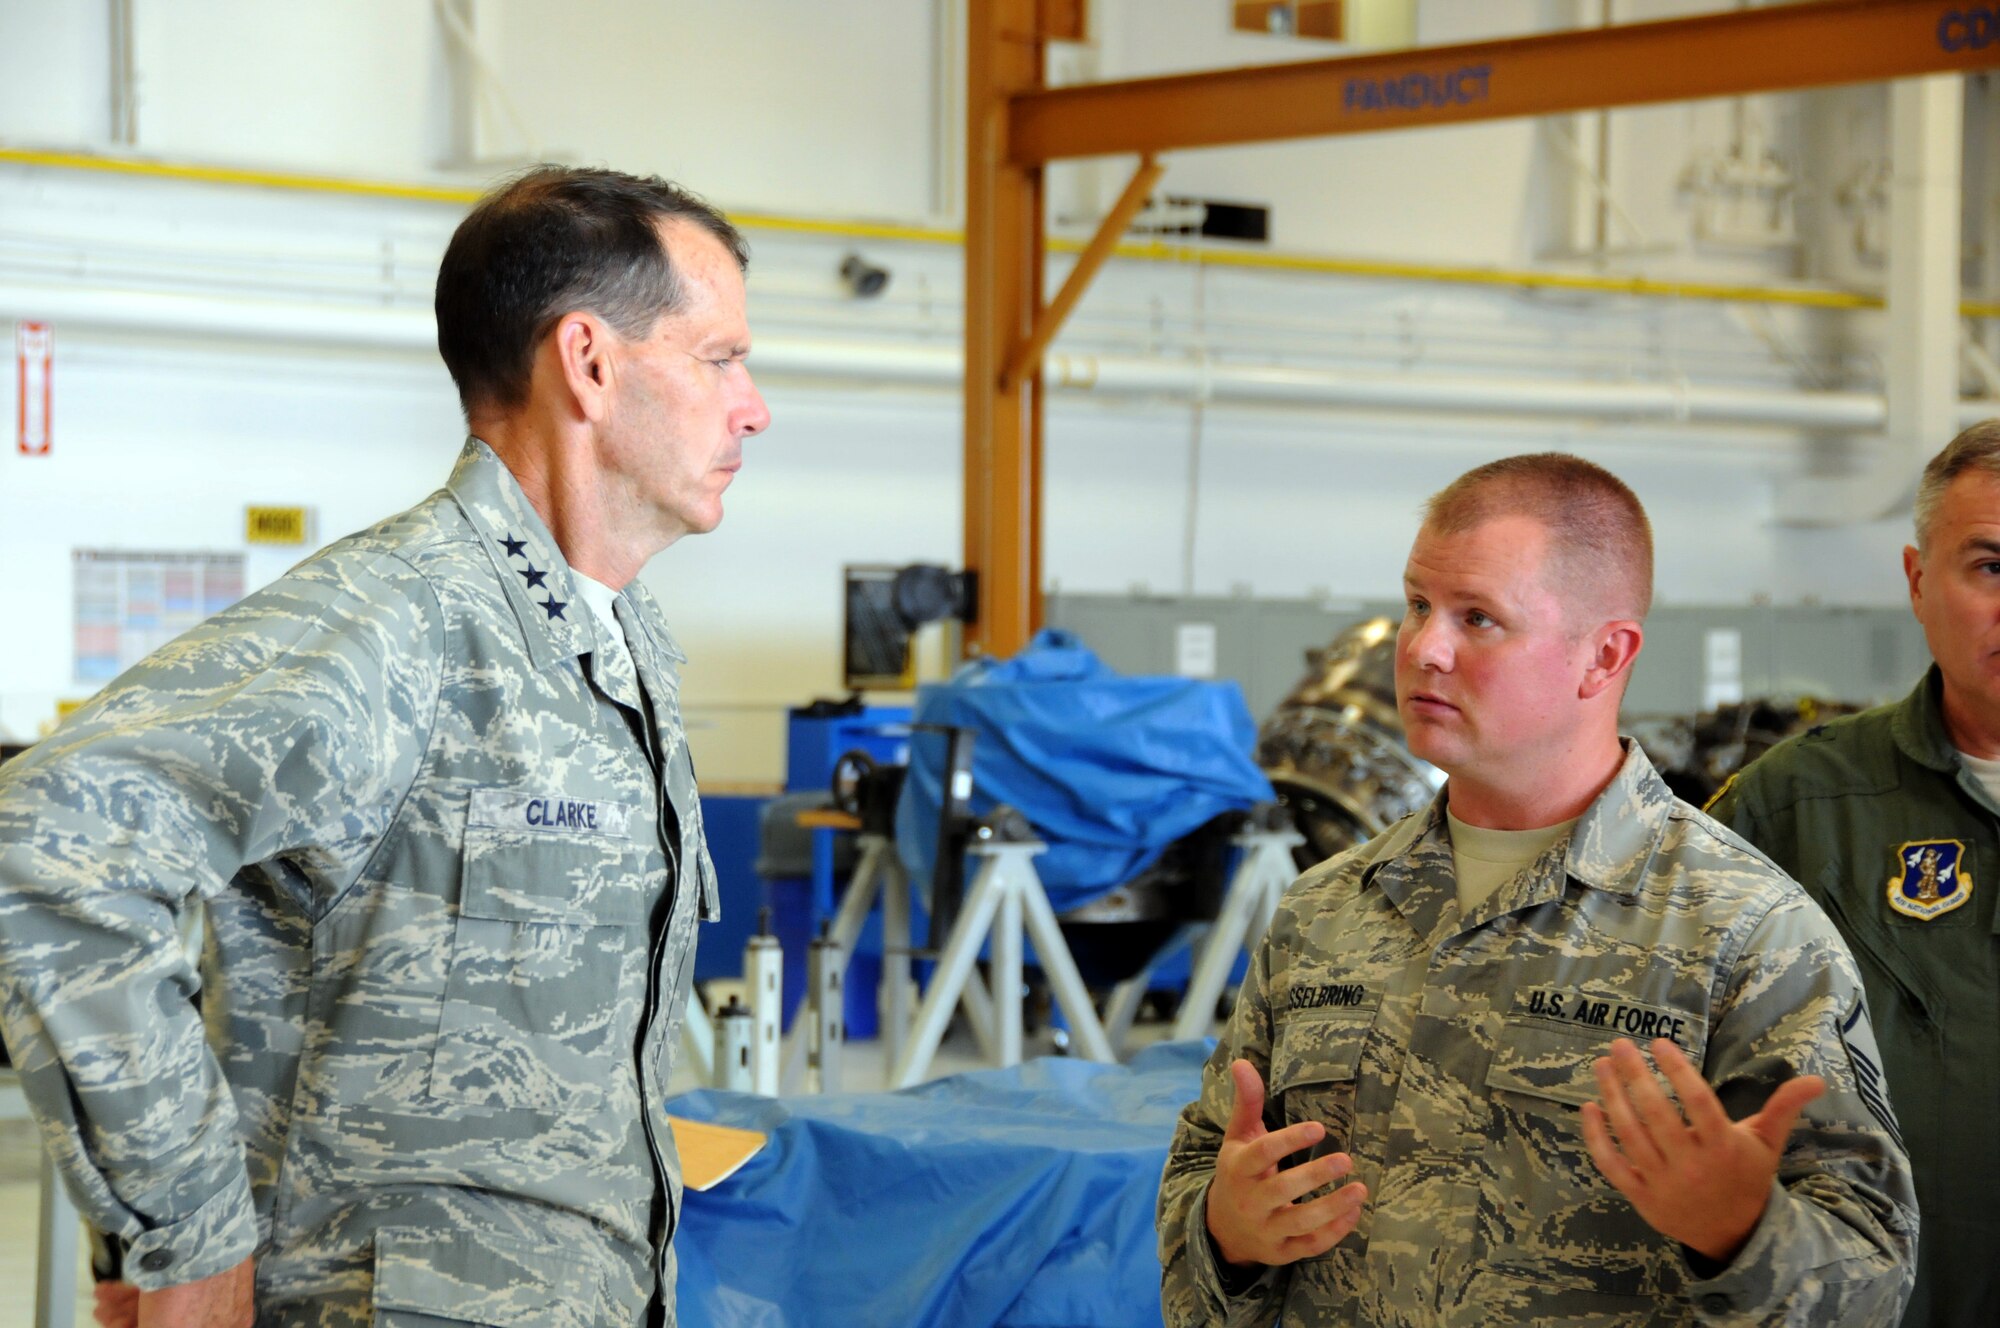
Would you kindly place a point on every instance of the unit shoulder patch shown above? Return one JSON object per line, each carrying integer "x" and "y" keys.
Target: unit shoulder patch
{"x": 1930, "y": 878}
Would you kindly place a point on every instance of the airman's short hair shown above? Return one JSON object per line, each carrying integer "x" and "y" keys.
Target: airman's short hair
{"x": 1601, "y": 542}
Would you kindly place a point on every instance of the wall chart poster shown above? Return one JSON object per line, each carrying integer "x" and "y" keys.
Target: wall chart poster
{"x": 130, "y": 604}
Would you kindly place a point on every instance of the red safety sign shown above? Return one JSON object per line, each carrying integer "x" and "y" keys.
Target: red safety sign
{"x": 34, "y": 353}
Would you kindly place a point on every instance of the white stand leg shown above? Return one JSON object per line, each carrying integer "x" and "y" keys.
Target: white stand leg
{"x": 826, "y": 1011}
{"x": 895, "y": 1004}
{"x": 764, "y": 971}
{"x": 949, "y": 977}
{"x": 877, "y": 869}
{"x": 1123, "y": 1008}
{"x": 1006, "y": 897}
{"x": 698, "y": 1039}
{"x": 1064, "y": 980}
{"x": 1261, "y": 877}
{"x": 1005, "y": 974}
{"x": 977, "y": 1003}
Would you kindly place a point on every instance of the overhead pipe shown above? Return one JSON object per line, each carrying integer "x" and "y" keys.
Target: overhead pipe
{"x": 941, "y": 365}
{"x": 1149, "y": 251}
{"x": 168, "y": 314}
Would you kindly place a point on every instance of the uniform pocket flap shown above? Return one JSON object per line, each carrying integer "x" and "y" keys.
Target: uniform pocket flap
{"x": 1320, "y": 1048}
{"x": 1547, "y": 1062}
{"x": 480, "y": 1278}
{"x": 549, "y": 858}
{"x": 1548, "y": 1047}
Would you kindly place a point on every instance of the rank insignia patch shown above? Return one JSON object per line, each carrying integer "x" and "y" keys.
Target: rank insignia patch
{"x": 1931, "y": 878}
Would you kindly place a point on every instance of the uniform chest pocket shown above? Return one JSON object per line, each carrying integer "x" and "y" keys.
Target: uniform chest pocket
{"x": 544, "y": 993}
{"x": 1548, "y": 1215}
{"x": 1315, "y": 1066}
{"x": 1315, "y": 1072}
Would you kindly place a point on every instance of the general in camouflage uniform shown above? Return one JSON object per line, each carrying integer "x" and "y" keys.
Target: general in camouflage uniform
{"x": 1448, "y": 1053}
{"x": 447, "y": 836}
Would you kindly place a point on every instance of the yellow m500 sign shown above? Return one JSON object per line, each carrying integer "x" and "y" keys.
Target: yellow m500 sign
{"x": 274, "y": 525}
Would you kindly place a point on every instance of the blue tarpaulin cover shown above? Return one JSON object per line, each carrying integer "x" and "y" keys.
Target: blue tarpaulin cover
{"x": 1109, "y": 770}
{"x": 1019, "y": 1197}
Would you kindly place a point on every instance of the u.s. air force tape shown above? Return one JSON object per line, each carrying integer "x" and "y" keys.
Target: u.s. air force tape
{"x": 555, "y": 814}
{"x": 1609, "y": 1014}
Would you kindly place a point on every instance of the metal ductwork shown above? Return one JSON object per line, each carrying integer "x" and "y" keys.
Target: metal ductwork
{"x": 1334, "y": 749}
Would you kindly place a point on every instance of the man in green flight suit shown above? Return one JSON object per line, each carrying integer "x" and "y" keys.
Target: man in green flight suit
{"x": 433, "y": 789}
{"x": 1464, "y": 1019}
{"x": 1891, "y": 820}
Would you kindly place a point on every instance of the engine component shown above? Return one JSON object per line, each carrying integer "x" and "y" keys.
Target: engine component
{"x": 1334, "y": 749}
{"x": 1696, "y": 756}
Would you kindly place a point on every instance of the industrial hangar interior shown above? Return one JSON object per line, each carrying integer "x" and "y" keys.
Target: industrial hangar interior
{"x": 1065, "y": 611}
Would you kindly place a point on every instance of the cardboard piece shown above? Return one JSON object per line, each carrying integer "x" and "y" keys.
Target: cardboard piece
{"x": 711, "y": 1154}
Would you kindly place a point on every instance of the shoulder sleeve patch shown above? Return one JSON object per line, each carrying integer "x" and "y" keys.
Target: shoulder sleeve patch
{"x": 1857, "y": 1035}
{"x": 1718, "y": 795}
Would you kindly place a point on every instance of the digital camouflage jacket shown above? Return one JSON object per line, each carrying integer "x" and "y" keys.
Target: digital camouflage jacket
{"x": 1450, "y": 1056}
{"x": 451, "y": 860}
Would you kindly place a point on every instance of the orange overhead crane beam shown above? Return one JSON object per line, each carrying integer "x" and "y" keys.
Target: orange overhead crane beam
{"x": 1717, "y": 55}
{"x": 1015, "y": 126}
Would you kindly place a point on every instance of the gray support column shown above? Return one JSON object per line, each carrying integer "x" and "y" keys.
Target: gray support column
{"x": 1921, "y": 355}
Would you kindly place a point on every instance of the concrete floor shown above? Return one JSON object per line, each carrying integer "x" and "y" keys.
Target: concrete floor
{"x": 863, "y": 1070}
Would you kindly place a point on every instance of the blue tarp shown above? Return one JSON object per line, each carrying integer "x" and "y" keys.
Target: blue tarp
{"x": 1018, "y": 1197}
{"x": 1109, "y": 770}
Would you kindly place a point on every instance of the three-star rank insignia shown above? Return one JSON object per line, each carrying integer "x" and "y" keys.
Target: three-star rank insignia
{"x": 1930, "y": 880}
{"x": 535, "y": 577}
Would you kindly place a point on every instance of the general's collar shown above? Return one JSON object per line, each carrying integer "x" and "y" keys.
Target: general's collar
{"x": 653, "y": 622}
{"x": 536, "y": 576}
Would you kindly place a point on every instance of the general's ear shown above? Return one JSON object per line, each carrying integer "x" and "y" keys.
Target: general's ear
{"x": 1913, "y": 572}
{"x": 1613, "y": 648}
{"x": 581, "y": 347}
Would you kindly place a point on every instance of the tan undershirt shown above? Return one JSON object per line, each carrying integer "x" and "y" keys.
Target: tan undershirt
{"x": 1483, "y": 860}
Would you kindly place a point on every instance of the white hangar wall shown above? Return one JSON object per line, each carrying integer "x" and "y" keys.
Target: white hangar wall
{"x": 293, "y": 368}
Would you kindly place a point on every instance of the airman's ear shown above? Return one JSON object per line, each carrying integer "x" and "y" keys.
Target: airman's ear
{"x": 1614, "y": 646}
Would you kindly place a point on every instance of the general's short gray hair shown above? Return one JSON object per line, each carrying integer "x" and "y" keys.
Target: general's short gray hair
{"x": 554, "y": 240}
{"x": 1978, "y": 448}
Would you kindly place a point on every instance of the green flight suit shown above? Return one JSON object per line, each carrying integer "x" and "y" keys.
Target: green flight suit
{"x": 1849, "y": 810}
